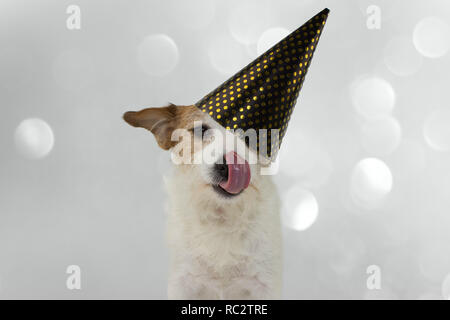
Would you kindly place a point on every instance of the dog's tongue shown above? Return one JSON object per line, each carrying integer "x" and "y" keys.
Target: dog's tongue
{"x": 238, "y": 173}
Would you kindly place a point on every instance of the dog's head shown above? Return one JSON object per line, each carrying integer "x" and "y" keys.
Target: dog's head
{"x": 217, "y": 158}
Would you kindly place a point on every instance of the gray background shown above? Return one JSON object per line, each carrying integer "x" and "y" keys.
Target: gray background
{"x": 97, "y": 201}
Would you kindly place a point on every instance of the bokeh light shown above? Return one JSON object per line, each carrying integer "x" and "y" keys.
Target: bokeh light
{"x": 300, "y": 209}
{"x": 157, "y": 55}
{"x": 437, "y": 130}
{"x": 401, "y": 57}
{"x": 269, "y": 38}
{"x": 34, "y": 138}
{"x": 381, "y": 135}
{"x": 248, "y": 19}
{"x": 432, "y": 37}
{"x": 370, "y": 183}
{"x": 226, "y": 55}
{"x": 372, "y": 97}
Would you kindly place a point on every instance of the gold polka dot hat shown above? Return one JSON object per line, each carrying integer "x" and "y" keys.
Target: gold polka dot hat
{"x": 264, "y": 93}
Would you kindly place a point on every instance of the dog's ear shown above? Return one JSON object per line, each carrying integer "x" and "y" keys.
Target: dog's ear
{"x": 159, "y": 121}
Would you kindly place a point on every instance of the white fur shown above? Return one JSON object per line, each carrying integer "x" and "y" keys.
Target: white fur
{"x": 222, "y": 248}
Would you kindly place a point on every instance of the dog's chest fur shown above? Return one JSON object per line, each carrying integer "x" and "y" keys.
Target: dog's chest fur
{"x": 228, "y": 249}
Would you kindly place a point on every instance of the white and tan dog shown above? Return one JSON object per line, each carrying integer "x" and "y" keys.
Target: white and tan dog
{"x": 224, "y": 231}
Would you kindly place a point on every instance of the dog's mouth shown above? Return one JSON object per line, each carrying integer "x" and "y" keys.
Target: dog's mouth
{"x": 235, "y": 176}
{"x": 218, "y": 189}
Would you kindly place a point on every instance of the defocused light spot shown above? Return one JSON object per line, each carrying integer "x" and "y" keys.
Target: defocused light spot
{"x": 401, "y": 58}
{"x": 248, "y": 20}
{"x": 446, "y": 288}
{"x": 304, "y": 158}
{"x": 371, "y": 181}
{"x": 34, "y": 138}
{"x": 300, "y": 209}
{"x": 437, "y": 130}
{"x": 74, "y": 70}
{"x": 373, "y": 97}
{"x": 269, "y": 38}
{"x": 157, "y": 55}
{"x": 193, "y": 14}
{"x": 432, "y": 37}
{"x": 226, "y": 55}
{"x": 381, "y": 135}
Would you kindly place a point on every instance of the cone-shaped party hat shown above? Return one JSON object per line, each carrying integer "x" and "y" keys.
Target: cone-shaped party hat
{"x": 264, "y": 93}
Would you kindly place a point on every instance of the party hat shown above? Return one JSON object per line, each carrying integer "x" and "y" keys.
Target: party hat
{"x": 263, "y": 95}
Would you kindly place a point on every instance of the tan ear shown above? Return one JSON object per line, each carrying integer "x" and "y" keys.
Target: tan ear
{"x": 159, "y": 121}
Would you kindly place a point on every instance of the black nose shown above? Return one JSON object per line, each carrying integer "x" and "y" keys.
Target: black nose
{"x": 221, "y": 170}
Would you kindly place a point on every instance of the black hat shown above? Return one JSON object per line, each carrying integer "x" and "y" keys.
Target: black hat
{"x": 264, "y": 93}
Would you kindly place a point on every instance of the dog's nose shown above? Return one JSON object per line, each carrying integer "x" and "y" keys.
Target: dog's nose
{"x": 222, "y": 170}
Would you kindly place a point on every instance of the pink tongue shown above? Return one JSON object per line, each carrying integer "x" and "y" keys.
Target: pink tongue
{"x": 238, "y": 173}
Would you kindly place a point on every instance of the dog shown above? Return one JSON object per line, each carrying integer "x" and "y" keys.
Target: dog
{"x": 224, "y": 231}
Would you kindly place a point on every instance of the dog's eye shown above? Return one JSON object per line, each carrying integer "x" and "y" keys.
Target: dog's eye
{"x": 199, "y": 131}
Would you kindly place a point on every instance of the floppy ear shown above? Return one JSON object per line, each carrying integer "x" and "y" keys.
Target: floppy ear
{"x": 159, "y": 121}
